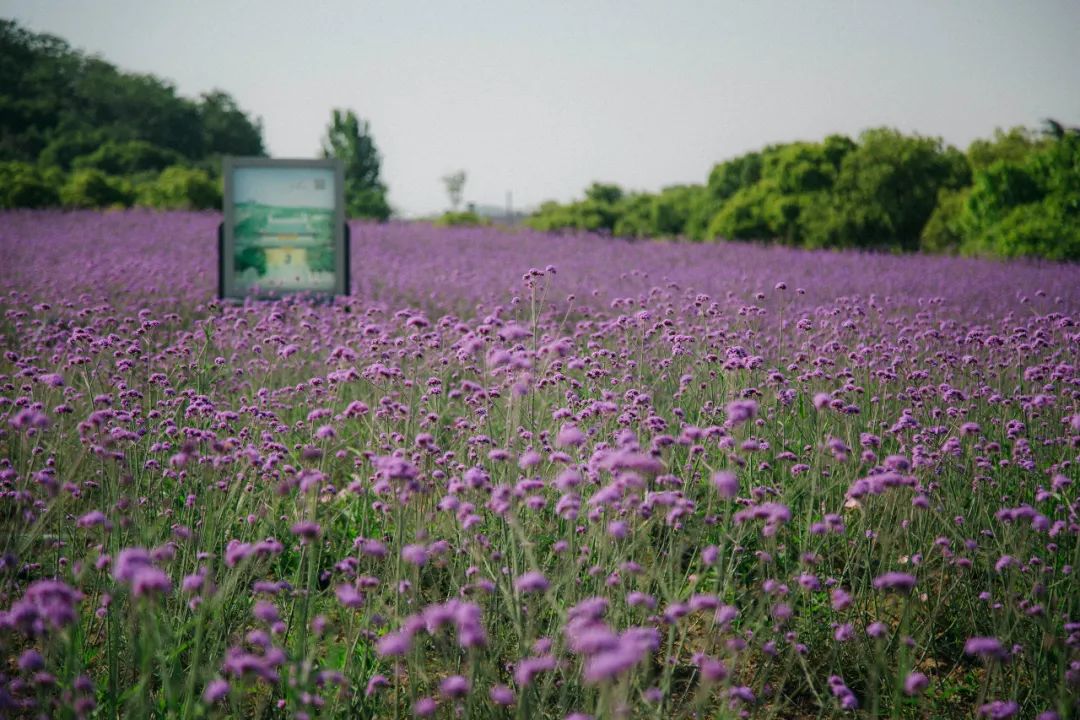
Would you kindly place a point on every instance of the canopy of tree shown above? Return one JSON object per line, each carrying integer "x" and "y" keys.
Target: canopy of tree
{"x": 75, "y": 130}
{"x": 349, "y": 139}
{"x": 1017, "y": 194}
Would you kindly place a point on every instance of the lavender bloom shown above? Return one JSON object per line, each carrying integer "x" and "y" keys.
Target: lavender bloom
{"x": 307, "y": 530}
{"x": 393, "y": 644}
{"x": 31, "y": 661}
{"x": 454, "y": 686}
{"x": 726, "y": 483}
{"x": 414, "y": 555}
{"x": 531, "y": 582}
{"x": 843, "y": 693}
{"x": 741, "y": 411}
{"x": 985, "y": 647}
{"x": 915, "y": 683}
{"x": 631, "y": 648}
{"x": 215, "y": 691}
{"x": 569, "y": 436}
{"x": 150, "y": 581}
{"x": 841, "y": 599}
{"x": 999, "y": 709}
{"x": 876, "y": 629}
{"x": 898, "y": 581}
{"x": 374, "y": 683}
{"x": 425, "y": 707}
{"x": 528, "y": 668}
{"x": 501, "y": 695}
{"x": 45, "y": 604}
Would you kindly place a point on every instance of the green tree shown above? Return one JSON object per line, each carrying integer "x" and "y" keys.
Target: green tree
{"x": 181, "y": 188}
{"x": 128, "y": 157}
{"x": 455, "y": 188}
{"x": 89, "y": 188}
{"x": 725, "y": 179}
{"x": 886, "y": 190}
{"x": 58, "y": 105}
{"x": 226, "y": 129}
{"x": 349, "y": 139}
{"x": 634, "y": 217}
{"x": 23, "y": 185}
{"x": 671, "y": 210}
{"x": 944, "y": 231}
{"x": 1012, "y": 146}
{"x": 1027, "y": 209}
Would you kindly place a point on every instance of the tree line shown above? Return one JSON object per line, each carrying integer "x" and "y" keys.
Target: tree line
{"x": 77, "y": 132}
{"x": 1016, "y": 194}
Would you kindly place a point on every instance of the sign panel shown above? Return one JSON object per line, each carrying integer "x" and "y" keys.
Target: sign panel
{"x": 284, "y": 228}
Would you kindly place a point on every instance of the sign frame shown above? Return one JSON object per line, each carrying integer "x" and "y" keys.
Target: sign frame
{"x": 228, "y": 287}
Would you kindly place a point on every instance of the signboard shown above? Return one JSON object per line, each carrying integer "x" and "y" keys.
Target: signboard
{"x": 284, "y": 228}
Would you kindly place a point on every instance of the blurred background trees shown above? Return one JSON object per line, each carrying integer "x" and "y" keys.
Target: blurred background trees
{"x": 349, "y": 139}
{"x": 77, "y": 132}
{"x": 1014, "y": 195}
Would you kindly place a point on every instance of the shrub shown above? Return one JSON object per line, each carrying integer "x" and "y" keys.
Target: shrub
{"x": 90, "y": 188}
{"x": 24, "y": 186}
{"x": 181, "y": 188}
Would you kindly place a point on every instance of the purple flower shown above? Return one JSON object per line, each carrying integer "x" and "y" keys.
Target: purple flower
{"x": 876, "y": 629}
{"x": 531, "y": 582}
{"x": 45, "y": 604}
{"x": 528, "y": 459}
{"x": 425, "y": 707}
{"x": 530, "y": 667}
{"x": 92, "y": 518}
{"x": 31, "y": 661}
{"x": 129, "y": 561}
{"x": 985, "y": 647}
{"x": 843, "y": 693}
{"x": 726, "y": 483}
{"x": 741, "y": 411}
{"x": 501, "y": 695}
{"x": 306, "y": 530}
{"x": 712, "y": 670}
{"x": 374, "y": 683}
{"x": 414, "y": 554}
{"x": 999, "y": 709}
{"x": 631, "y": 648}
{"x": 215, "y": 691}
{"x": 266, "y": 611}
{"x": 915, "y": 683}
{"x": 710, "y": 555}
{"x": 455, "y": 686}
{"x": 898, "y": 581}
{"x": 569, "y": 436}
{"x": 150, "y": 581}
{"x": 618, "y": 529}
{"x": 393, "y": 644}
{"x": 349, "y": 596}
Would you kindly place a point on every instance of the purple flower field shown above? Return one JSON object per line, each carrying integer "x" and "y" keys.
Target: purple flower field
{"x": 521, "y": 475}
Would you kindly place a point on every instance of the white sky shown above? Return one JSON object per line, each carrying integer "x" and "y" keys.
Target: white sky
{"x": 543, "y": 97}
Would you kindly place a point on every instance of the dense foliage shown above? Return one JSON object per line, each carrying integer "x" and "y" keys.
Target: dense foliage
{"x": 646, "y": 480}
{"x": 1015, "y": 195}
{"x": 349, "y": 139}
{"x": 76, "y": 131}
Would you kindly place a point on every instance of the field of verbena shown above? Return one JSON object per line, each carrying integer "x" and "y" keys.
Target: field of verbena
{"x": 526, "y": 476}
